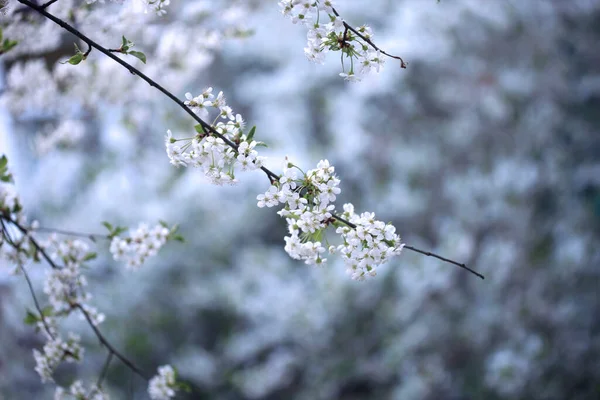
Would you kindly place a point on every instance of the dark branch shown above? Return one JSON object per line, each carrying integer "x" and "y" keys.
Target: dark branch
{"x": 104, "y": 370}
{"x": 207, "y": 127}
{"x": 367, "y": 40}
{"x": 48, "y": 3}
{"x": 109, "y": 347}
{"x": 91, "y": 236}
{"x": 427, "y": 253}
{"x": 29, "y": 284}
{"x": 430, "y": 254}
{"x": 32, "y": 240}
{"x": 99, "y": 335}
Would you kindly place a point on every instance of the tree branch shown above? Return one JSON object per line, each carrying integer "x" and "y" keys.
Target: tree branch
{"x": 366, "y": 39}
{"x": 270, "y": 174}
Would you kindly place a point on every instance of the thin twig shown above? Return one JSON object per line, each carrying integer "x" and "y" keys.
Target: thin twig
{"x": 427, "y": 253}
{"x": 109, "y": 347}
{"x": 137, "y": 72}
{"x": 91, "y": 236}
{"x": 33, "y": 241}
{"x": 430, "y": 254}
{"x": 48, "y": 3}
{"x": 366, "y": 39}
{"x": 99, "y": 335}
{"x": 270, "y": 174}
{"x": 104, "y": 370}
{"x": 35, "y": 300}
{"x": 22, "y": 268}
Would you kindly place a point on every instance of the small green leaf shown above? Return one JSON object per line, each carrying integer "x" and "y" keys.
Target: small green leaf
{"x": 31, "y": 318}
{"x": 118, "y": 230}
{"x": 261, "y": 144}
{"x": 108, "y": 226}
{"x": 199, "y": 129}
{"x": 163, "y": 224}
{"x": 8, "y": 44}
{"x": 3, "y": 162}
{"x": 138, "y": 54}
{"x": 183, "y": 386}
{"x": 124, "y": 42}
{"x": 90, "y": 256}
{"x": 48, "y": 311}
{"x": 251, "y": 134}
{"x": 178, "y": 238}
{"x": 74, "y": 60}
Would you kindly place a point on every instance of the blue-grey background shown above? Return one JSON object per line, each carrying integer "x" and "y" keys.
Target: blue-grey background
{"x": 486, "y": 149}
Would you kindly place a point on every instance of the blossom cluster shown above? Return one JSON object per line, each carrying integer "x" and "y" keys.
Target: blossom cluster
{"x": 54, "y": 352}
{"x": 157, "y": 6}
{"x": 163, "y": 385}
{"x": 65, "y": 285}
{"x": 19, "y": 248}
{"x": 368, "y": 245}
{"x": 308, "y": 199}
{"x": 216, "y": 157}
{"x": 333, "y": 36}
{"x": 77, "y": 391}
{"x": 141, "y": 243}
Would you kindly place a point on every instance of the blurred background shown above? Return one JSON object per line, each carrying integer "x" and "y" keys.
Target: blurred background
{"x": 486, "y": 149}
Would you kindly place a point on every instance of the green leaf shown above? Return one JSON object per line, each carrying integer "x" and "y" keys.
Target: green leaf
{"x": 118, "y": 230}
{"x": 199, "y": 129}
{"x": 163, "y": 224}
{"x": 261, "y": 144}
{"x": 31, "y": 318}
{"x": 124, "y": 42}
{"x": 90, "y": 256}
{"x": 251, "y": 134}
{"x": 138, "y": 54}
{"x": 3, "y": 162}
{"x": 108, "y": 226}
{"x": 183, "y": 386}
{"x": 74, "y": 60}
{"x": 48, "y": 311}
{"x": 178, "y": 238}
{"x": 8, "y": 44}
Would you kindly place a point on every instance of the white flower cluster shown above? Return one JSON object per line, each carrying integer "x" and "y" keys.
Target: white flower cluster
{"x": 55, "y": 351}
{"x": 65, "y": 286}
{"x": 20, "y": 247}
{"x": 216, "y": 158}
{"x": 367, "y": 246}
{"x": 157, "y": 5}
{"x": 309, "y": 211}
{"x": 163, "y": 385}
{"x": 78, "y": 392}
{"x": 141, "y": 243}
{"x": 304, "y": 219}
{"x": 10, "y": 206}
{"x": 333, "y": 35}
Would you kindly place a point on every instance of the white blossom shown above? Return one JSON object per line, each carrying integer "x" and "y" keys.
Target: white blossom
{"x": 54, "y": 352}
{"x": 141, "y": 244}
{"x": 162, "y": 386}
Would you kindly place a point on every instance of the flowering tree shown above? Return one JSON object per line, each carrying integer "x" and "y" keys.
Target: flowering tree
{"x": 69, "y": 95}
